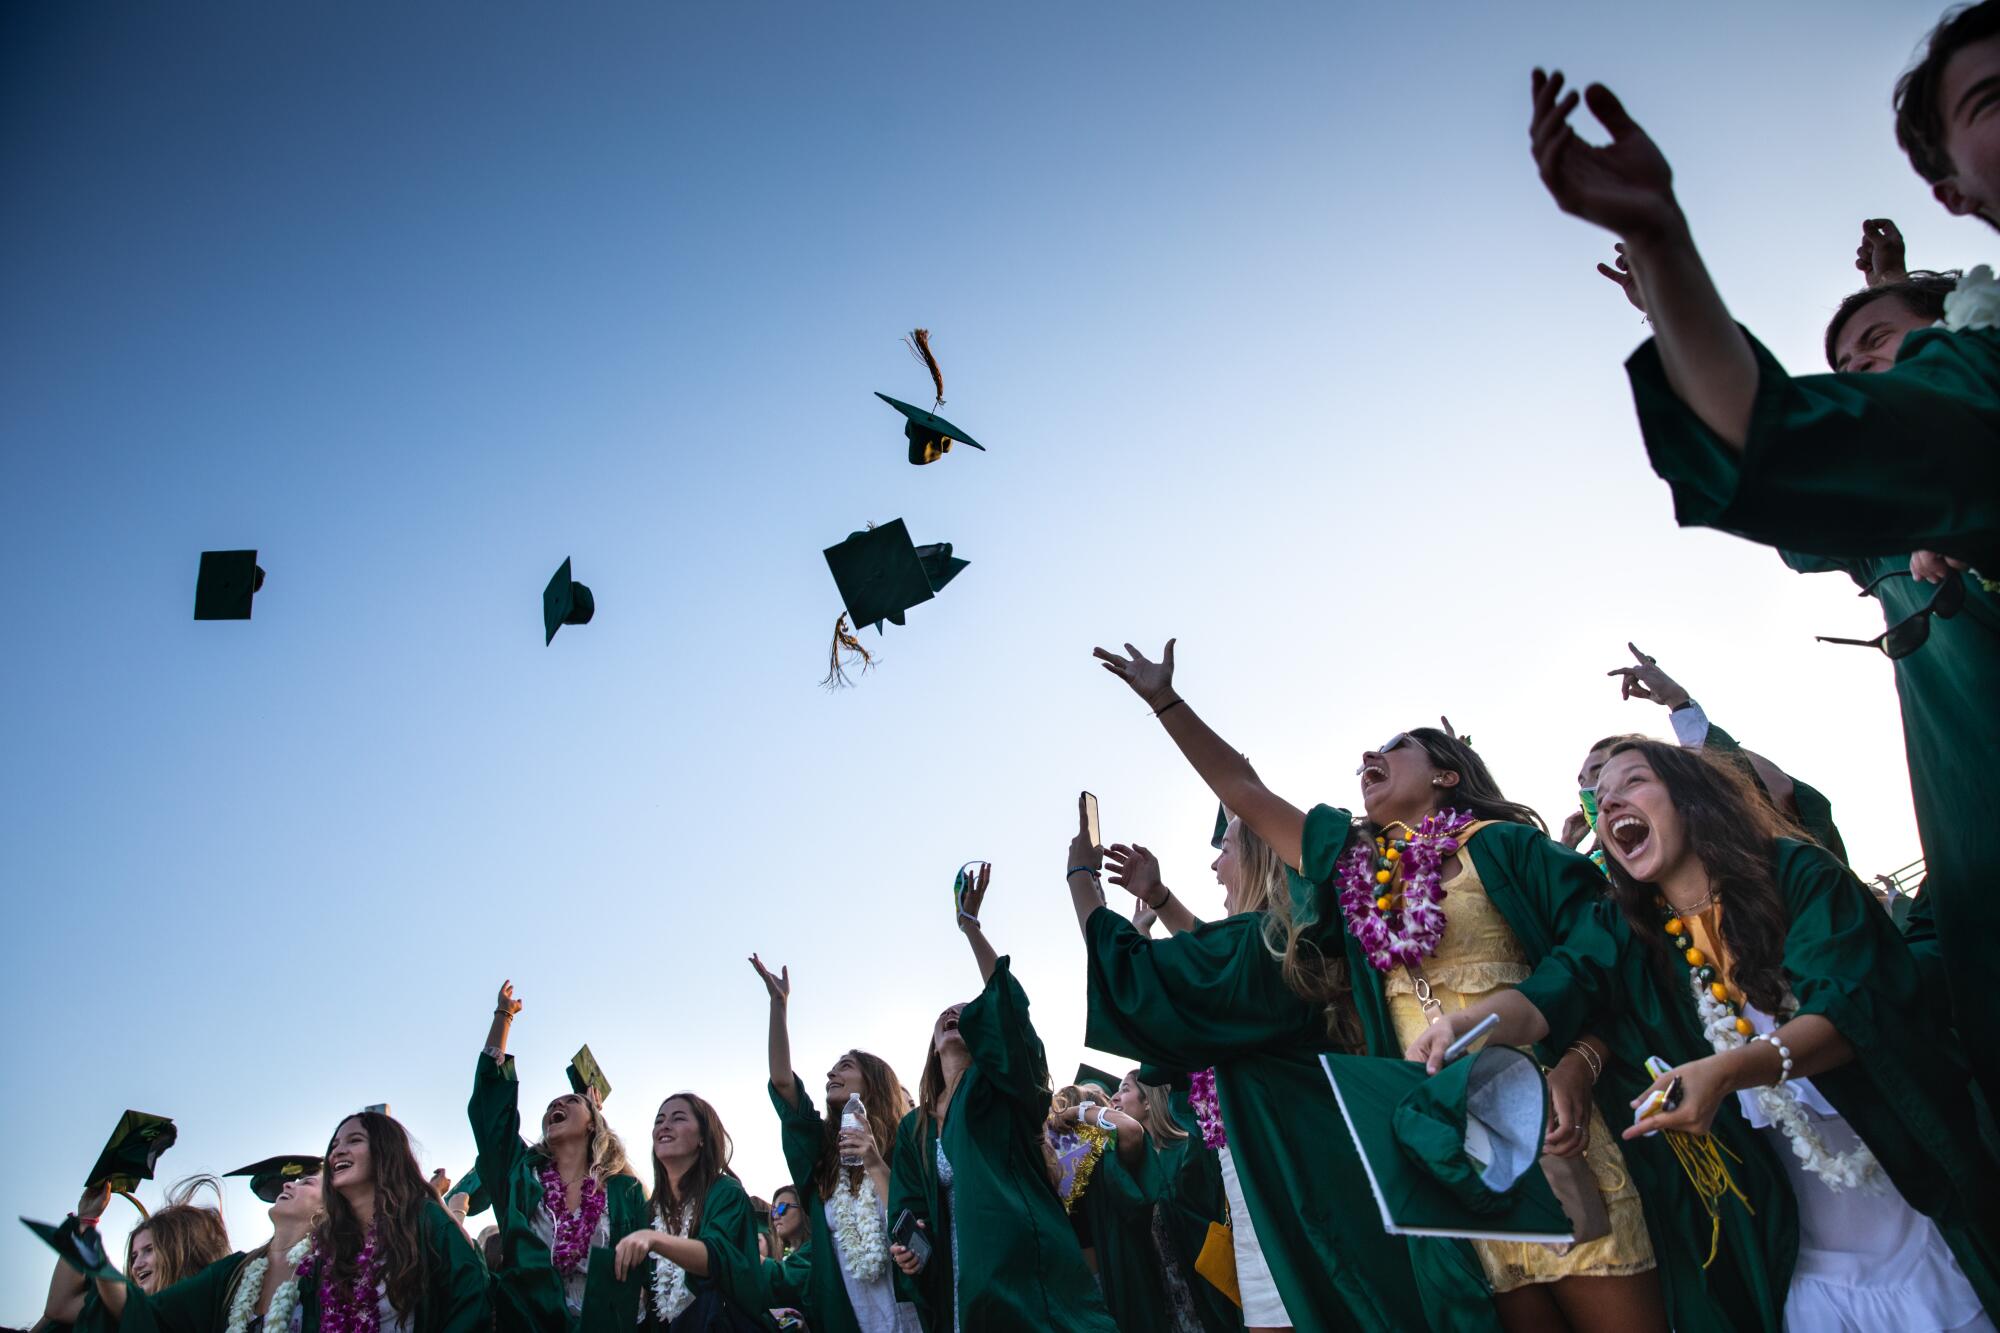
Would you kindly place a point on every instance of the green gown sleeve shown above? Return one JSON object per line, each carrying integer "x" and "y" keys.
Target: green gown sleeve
{"x": 728, "y": 1230}
{"x": 801, "y": 1131}
{"x": 457, "y": 1299}
{"x": 912, "y": 1186}
{"x": 1837, "y": 465}
{"x": 1003, "y": 1044}
{"x": 494, "y": 1111}
{"x": 196, "y": 1304}
{"x": 1578, "y": 980}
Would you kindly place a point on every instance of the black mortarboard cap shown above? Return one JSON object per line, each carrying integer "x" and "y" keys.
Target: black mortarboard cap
{"x": 586, "y": 1077}
{"x": 1092, "y": 1074}
{"x": 132, "y": 1153}
{"x": 273, "y": 1173}
{"x": 880, "y": 574}
{"x": 565, "y": 602}
{"x": 1221, "y": 827}
{"x": 225, "y": 584}
{"x": 79, "y": 1247}
{"x": 930, "y": 435}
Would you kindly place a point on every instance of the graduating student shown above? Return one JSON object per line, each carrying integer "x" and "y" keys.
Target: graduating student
{"x": 244, "y": 1293}
{"x": 173, "y": 1243}
{"x": 559, "y": 1204}
{"x": 699, "y": 1254}
{"x": 968, "y": 1166}
{"x": 1453, "y": 891}
{"x": 844, "y": 1207}
{"x": 1761, "y": 969}
{"x": 385, "y": 1252}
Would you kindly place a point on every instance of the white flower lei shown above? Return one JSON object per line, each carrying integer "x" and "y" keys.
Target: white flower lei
{"x": 1840, "y": 1171}
{"x": 857, "y": 1224}
{"x": 1974, "y": 303}
{"x": 670, "y": 1283}
{"x": 243, "y": 1308}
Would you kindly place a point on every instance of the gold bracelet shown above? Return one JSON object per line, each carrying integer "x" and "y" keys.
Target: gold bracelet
{"x": 1590, "y": 1060}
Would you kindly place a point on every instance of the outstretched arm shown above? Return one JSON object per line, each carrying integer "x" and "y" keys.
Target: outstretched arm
{"x": 1227, "y": 773}
{"x": 1137, "y": 871}
{"x": 968, "y": 923}
{"x": 780, "y": 990}
{"x": 505, "y": 1006}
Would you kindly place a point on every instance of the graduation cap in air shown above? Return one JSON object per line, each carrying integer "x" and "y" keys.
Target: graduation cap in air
{"x": 477, "y": 1200}
{"x": 565, "y": 602}
{"x": 930, "y": 435}
{"x": 225, "y": 583}
{"x": 132, "y": 1153}
{"x": 586, "y": 1079}
{"x": 274, "y": 1173}
{"x": 1091, "y": 1074}
{"x": 79, "y": 1247}
{"x": 881, "y": 574}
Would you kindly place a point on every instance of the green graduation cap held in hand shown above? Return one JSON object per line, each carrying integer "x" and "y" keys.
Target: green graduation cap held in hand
{"x": 225, "y": 584}
{"x": 586, "y": 1079}
{"x": 274, "y": 1173}
{"x": 565, "y": 602}
{"x": 132, "y": 1153}
{"x": 79, "y": 1247}
{"x": 477, "y": 1200}
{"x": 1455, "y": 1154}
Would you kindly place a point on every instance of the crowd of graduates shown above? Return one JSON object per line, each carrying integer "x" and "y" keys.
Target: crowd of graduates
{"x": 1759, "y": 1096}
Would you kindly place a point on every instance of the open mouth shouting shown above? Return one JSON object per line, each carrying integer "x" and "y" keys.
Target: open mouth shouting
{"x": 1630, "y": 835}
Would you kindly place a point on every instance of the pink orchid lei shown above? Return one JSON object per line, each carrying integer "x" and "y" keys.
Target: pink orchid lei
{"x": 1407, "y": 929}
{"x": 1207, "y": 1107}
{"x": 570, "y": 1246}
{"x": 349, "y": 1307}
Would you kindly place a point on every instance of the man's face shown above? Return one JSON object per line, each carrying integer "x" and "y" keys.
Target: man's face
{"x": 1869, "y": 339}
{"x": 1969, "y": 106}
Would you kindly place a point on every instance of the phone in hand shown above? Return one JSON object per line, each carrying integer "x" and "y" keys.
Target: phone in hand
{"x": 1660, "y": 1099}
{"x": 1090, "y": 824}
{"x": 1473, "y": 1040}
{"x": 911, "y": 1237}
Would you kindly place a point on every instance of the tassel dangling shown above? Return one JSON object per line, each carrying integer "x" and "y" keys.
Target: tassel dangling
{"x": 919, "y": 343}
{"x": 1701, "y": 1158}
{"x": 846, "y": 648}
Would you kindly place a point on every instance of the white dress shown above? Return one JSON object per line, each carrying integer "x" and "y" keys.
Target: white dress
{"x": 1262, "y": 1306}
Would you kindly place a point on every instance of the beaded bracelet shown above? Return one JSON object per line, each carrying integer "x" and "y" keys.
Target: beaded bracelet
{"x": 1590, "y": 1060}
{"x": 1784, "y": 1054}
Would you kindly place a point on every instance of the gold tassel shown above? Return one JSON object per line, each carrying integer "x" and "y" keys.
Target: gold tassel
{"x": 1701, "y": 1158}
{"x": 919, "y": 343}
{"x": 133, "y": 1199}
{"x": 846, "y": 647}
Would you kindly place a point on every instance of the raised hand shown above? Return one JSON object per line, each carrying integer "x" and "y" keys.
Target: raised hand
{"x": 1575, "y": 829}
{"x": 1624, "y": 277}
{"x": 1084, "y": 853}
{"x": 1137, "y": 871}
{"x": 1880, "y": 254}
{"x": 1150, "y": 680}
{"x": 974, "y": 896}
{"x": 506, "y": 1005}
{"x": 1624, "y": 186}
{"x": 1931, "y": 567}
{"x": 440, "y": 1182}
{"x": 780, "y": 986}
{"x": 1647, "y": 681}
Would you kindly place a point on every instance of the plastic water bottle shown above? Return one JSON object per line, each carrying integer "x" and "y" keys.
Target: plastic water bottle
{"x": 853, "y": 1116}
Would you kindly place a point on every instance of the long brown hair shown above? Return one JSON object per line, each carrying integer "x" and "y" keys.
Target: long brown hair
{"x": 1311, "y": 974}
{"x": 187, "y": 1237}
{"x": 883, "y": 1097}
{"x": 1157, "y": 1112}
{"x": 1477, "y": 790}
{"x": 711, "y": 1163}
{"x": 1728, "y": 824}
{"x": 607, "y": 1151}
{"x": 401, "y": 1195}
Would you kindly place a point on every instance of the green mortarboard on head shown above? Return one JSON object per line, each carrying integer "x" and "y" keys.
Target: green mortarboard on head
{"x": 1221, "y": 827}
{"x": 225, "y": 583}
{"x": 477, "y": 1200}
{"x": 565, "y": 602}
{"x": 132, "y": 1153}
{"x": 585, "y": 1077}
{"x": 1093, "y": 1075}
{"x": 1455, "y": 1154}
{"x": 274, "y": 1173}
{"x": 79, "y": 1247}
{"x": 930, "y": 435}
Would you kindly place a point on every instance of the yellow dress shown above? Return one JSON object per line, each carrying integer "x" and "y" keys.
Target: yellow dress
{"x": 1479, "y": 954}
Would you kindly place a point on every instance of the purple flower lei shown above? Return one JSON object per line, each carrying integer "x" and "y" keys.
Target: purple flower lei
{"x": 1207, "y": 1107}
{"x": 570, "y": 1247}
{"x": 350, "y": 1307}
{"x": 1408, "y": 930}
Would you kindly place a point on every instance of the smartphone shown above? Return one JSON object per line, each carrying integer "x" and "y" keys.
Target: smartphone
{"x": 911, "y": 1237}
{"x": 1090, "y": 823}
{"x": 1661, "y": 1099}
{"x": 1472, "y": 1040}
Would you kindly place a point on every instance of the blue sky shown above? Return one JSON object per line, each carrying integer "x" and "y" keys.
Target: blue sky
{"x": 1274, "y": 337}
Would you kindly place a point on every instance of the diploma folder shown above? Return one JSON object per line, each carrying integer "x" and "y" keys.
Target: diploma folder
{"x": 1499, "y": 1123}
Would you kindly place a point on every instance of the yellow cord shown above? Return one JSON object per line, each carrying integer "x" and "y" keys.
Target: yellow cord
{"x": 1701, "y": 1157}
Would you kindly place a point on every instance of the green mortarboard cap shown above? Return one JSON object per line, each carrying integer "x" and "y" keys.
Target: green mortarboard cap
{"x": 930, "y": 435}
{"x": 274, "y": 1173}
{"x": 477, "y": 1200}
{"x": 79, "y": 1247}
{"x": 585, "y": 1077}
{"x": 1092, "y": 1074}
{"x": 880, "y": 574}
{"x": 133, "y": 1151}
{"x": 1221, "y": 827}
{"x": 1455, "y": 1154}
{"x": 565, "y": 602}
{"x": 225, "y": 583}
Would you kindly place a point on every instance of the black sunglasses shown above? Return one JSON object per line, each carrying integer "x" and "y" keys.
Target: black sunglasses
{"x": 1914, "y": 630}
{"x": 1400, "y": 738}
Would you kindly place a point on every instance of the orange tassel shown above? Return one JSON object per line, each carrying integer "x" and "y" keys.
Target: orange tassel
{"x": 919, "y": 343}
{"x": 845, "y": 649}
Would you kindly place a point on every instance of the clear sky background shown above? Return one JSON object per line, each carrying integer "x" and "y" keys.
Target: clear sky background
{"x": 1277, "y": 344}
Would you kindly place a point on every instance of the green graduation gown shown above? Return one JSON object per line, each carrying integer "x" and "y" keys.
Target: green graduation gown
{"x": 198, "y": 1303}
{"x": 1905, "y": 1094}
{"x": 1215, "y": 996}
{"x": 454, "y": 1300}
{"x": 1019, "y": 1266}
{"x": 727, "y": 1228}
{"x": 803, "y": 1132}
{"x": 1815, "y": 810}
{"x": 1118, "y": 1210}
{"x": 527, "y": 1293}
{"x": 1848, "y": 467}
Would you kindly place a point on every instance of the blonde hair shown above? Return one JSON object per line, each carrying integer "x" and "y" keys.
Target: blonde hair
{"x": 187, "y": 1237}
{"x": 1156, "y": 1112}
{"x": 1311, "y": 974}
{"x": 607, "y": 1150}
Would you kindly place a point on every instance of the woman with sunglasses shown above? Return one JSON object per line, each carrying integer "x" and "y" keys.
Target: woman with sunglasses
{"x": 1444, "y": 892}
{"x": 841, "y": 1175}
{"x": 1791, "y": 1014}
